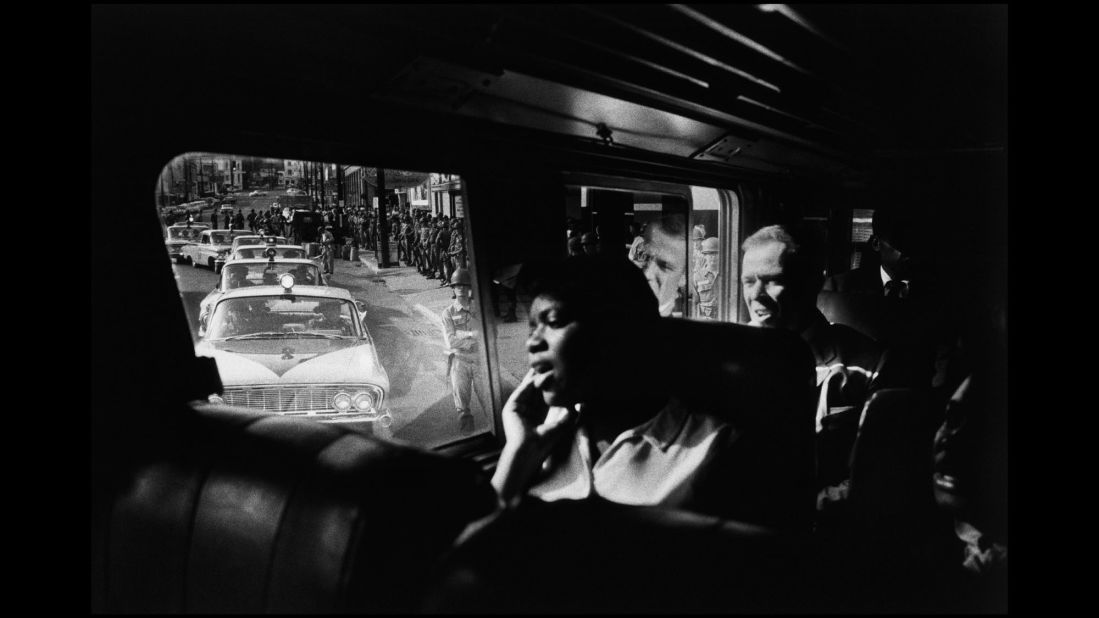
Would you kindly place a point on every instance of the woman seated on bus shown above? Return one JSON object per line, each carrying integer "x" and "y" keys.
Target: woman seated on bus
{"x": 595, "y": 417}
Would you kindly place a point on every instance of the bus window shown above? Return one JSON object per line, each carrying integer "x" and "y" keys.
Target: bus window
{"x": 662, "y": 228}
{"x": 861, "y": 231}
{"x": 714, "y": 255}
{"x": 402, "y": 358}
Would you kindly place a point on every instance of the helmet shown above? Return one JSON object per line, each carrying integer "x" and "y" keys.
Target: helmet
{"x": 698, "y": 233}
{"x": 710, "y": 245}
{"x": 461, "y": 277}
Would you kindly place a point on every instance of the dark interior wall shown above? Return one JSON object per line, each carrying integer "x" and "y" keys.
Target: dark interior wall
{"x": 962, "y": 202}
{"x": 608, "y": 213}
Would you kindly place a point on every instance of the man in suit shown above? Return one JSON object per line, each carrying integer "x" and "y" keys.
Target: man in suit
{"x": 901, "y": 265}
{"x": 780, "y": 281}
{"x": 897, "y": 300}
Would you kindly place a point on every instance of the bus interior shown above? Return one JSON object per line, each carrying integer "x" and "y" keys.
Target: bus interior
{"x": 552, "y": 122}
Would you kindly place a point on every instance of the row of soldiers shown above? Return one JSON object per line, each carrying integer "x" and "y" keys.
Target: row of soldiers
{"x": 434, "y": 245}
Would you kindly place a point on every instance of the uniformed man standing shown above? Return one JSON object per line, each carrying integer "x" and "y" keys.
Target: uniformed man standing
{"x": 705, "y": 279}
{"x": 328, "y": 240}
{"x": 459, "y": 321}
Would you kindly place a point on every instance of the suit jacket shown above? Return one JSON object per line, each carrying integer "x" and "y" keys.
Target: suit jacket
{"x": 917, "y": 330}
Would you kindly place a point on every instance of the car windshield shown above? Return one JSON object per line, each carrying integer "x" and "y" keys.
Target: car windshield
{"x": 220, "y": 238}
{"x": 183, "y": 233}
{"x": 247, "y": 275}
{"x": 282, "y": 317}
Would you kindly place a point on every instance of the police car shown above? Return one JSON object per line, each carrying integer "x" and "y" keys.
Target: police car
{"x": 256, "y": 239}
{"x": 296, "y": 350}
{"x": 246, "y": 273}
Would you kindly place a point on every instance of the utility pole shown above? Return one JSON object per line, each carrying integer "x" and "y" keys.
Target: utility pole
{"x": 339, "y": 185}
{"x": 383, "y": 222}
{"x": 172, "y": 181}
{"x": 186, "y": 180}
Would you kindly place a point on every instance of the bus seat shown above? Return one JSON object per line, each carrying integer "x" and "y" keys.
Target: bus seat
{"x": 865, "y": 313}
{"x": 761, "y": 381}
{"x": 893, "y": 549}
{"x": 595, "y": 556}
{"x": 891, "y": 461}
{"x": 235, "y": 511}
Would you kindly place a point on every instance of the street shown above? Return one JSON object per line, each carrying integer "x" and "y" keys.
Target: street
{"x": 403, "y": 319}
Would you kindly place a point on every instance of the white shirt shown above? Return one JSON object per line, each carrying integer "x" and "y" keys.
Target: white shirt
{"x": 656, "y": 463}
{"x": 885, "y": 278}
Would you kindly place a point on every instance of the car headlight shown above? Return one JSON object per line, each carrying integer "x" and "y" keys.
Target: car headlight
{"x": 363, "y": 401}
{"x": 342, "y": 402}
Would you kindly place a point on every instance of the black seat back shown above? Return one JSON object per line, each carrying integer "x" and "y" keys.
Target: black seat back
{"x": 594, "y": 556}
{"x": 241, "y": 512}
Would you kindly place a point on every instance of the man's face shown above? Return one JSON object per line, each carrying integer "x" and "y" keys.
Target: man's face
{"x": 896, "y": 264}
{"x": 667, "y": 262}
{"x": 560, "y": 352}
{"x": 709, "y": 261}
{"x": 464, "y": 294}
{"x": 768, "y": 291}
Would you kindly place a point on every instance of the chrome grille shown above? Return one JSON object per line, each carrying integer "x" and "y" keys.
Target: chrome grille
{"x": 314, "y": 399}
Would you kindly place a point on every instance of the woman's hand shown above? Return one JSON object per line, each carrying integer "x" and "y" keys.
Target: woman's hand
{"x": 528, "y": 420}
{"x": 531, "y": 429}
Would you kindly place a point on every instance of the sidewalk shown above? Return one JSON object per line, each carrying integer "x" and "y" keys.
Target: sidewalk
{"x": 429, "y": 300}
{"x": 425, "y": 295}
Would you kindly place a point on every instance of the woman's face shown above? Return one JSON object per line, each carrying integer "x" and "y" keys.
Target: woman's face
{"x": 561, "y": 353}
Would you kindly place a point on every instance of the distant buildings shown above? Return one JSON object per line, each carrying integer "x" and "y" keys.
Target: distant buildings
{"x": 194, "y": 175}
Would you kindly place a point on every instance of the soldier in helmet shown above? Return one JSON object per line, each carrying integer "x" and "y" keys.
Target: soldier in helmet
{"x": 328, "y": 248}
{"x": 704, "y": 280}
{"x": 459, "y": 321}
{"x": 698, "y": 233}
{"x": 590, "y": 243}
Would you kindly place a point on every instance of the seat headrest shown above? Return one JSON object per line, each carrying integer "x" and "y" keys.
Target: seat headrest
{"x": 597, "y": 556}
{"x": 741, "y": 369}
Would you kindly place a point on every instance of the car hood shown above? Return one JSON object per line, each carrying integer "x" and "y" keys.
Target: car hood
{"x": 295, "y": 361}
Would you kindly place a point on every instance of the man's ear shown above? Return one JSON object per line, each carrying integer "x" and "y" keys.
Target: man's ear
{"x": 875, "y": 244}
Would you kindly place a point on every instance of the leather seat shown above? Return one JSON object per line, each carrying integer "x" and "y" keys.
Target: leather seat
{"x": 233, "y": 511}
{"x": 890, "y": 553}
{"x": 869, "y": 314}
{"x": 891, "y": 462}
